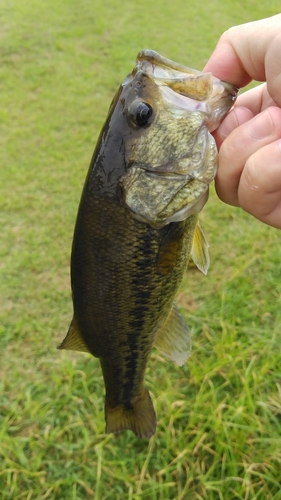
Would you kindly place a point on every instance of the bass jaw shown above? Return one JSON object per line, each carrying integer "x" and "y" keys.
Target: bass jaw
{"x": 179, "y": 216}
{"x": 158, "y": 200}
{"x": 198, "y": 85}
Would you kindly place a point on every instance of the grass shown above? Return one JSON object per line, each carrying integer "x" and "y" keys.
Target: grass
{"x": 219, "y": 416}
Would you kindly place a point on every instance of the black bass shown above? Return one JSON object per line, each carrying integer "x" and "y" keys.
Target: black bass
{"x": 137, "y": 226}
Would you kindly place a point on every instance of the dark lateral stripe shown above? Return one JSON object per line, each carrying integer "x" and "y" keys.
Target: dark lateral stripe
{"x": 137, "y": 339}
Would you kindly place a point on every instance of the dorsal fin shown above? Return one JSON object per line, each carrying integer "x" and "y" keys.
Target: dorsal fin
{"x": 173, "y": 338}
{"x": 199, "y": 251}
{"x": 74, "y": 340}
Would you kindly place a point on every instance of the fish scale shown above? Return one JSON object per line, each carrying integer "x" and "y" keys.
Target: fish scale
{"x": 137, "y": 225}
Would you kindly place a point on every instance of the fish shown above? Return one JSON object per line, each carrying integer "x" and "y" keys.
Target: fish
{"x": 137, "y": 227}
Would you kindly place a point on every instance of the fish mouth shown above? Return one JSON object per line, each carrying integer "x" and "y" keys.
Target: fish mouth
{"x": 188, "y": 88}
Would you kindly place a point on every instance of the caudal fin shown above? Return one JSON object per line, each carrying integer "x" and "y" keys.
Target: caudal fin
{"x": 140, "y": 418}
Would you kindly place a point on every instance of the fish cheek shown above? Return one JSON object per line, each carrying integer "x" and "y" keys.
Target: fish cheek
{"x": 171, "y": 247}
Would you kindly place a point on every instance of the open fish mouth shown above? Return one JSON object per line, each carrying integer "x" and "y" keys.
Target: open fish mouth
{"x": 191, "y": 89}
{"x": 171, "y": 156}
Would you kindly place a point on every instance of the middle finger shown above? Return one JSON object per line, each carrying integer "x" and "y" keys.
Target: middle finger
{"x": 242, "y": 142}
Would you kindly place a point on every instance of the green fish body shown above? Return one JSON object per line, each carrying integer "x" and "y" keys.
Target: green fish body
{"x": 137, "y": 227}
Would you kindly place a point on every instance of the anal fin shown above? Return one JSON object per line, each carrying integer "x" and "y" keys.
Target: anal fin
{"x": 173, "y": 338}
{"x": 74, "y": 340}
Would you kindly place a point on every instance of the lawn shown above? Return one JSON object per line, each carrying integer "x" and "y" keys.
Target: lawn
{"x": 219, "y": 416}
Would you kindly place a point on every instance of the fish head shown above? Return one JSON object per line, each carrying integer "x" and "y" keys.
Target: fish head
{"x": 170, "y": 154}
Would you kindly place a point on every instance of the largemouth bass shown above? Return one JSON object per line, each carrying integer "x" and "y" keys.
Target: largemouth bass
{"x": 137, "y": 227}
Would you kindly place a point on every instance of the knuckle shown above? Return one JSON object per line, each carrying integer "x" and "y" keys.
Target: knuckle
{"x": 251, "y": 175}
{"x": 275, "y": 115}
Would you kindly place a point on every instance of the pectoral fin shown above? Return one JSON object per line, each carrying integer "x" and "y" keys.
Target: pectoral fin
{"x": 199, "y": 251}
{"x": 173, "y": 338}
{"x": 73, "y": 340}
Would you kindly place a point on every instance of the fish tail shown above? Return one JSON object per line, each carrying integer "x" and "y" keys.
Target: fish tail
{"x": 139, "y": 418}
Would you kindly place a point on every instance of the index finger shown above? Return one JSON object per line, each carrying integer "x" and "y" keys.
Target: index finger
{"x": 250, "y": 52}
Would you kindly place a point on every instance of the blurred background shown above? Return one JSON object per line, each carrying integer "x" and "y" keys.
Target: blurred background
{"x": 219, "y": 416}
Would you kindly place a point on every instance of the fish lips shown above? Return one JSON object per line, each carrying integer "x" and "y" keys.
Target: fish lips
{"x": 186, "y": 88}
{"x": 159, "y": 199}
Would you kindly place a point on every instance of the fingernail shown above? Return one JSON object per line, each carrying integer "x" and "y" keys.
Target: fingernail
{"x": 261, "y": 126}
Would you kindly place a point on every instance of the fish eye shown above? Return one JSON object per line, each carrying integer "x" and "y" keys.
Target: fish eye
{"x": 141, "y": 113}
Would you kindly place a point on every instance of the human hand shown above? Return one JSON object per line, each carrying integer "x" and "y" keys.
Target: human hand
{"x": 249, "y": 138}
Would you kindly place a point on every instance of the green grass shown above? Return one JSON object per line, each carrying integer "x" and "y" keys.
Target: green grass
{"x": 219, "y": 416}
